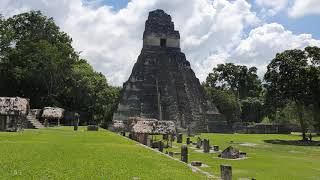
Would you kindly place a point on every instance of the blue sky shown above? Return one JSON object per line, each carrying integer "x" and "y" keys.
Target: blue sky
{"x": 307, "y": 24}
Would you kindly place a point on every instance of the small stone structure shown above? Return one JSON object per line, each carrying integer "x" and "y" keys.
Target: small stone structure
{"x": 196, "y": 163}
{"x": 263, "y": 128}
{"x": 76, "y": 121}
{"x": 36, "y": 113}
{"x": 184, "y": 153}
{"x": 179, "y": 138}
{"x": 206, "y": 146}
{"x": 13, "y": 112}
{"x": 52, "y": 116}
{"x": 161, "y": 145}
{"x": 226, "y": 172}
{"x": 92, "y": 128}
{"x": 142, "y": 128}
{"x": 231, "y": 153}
{"x": 188, "y": 141}
{"x": 118, "y": 126}
{"x": 199, "y": 143}
{"x": 33, "y": 119}
{"x": 215, "y": 148}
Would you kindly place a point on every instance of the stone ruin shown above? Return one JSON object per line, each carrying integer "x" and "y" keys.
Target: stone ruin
{"x": 140, "y": 129}
{"x": 163, "y": 86}
{"x": 13, "y": 112}
{"x": 232, "y": 153}
{"x": 52, "y": 115}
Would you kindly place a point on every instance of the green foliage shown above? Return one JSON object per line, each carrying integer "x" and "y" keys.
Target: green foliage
{"x": 289, "y": 115}
{"x": 39, "y": 63}
{"x": 313, "y": 54}
{"x": 252, "y": 110}
{"x": 291, "y": 78}
{"x": 243, "y": 82}
{"x": 226, "y": 102}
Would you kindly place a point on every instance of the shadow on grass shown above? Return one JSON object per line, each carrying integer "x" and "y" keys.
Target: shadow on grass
{"x": 293, "y": 142}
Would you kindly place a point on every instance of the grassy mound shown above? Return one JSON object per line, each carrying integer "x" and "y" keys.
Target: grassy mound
{"x": 61, "y": 153}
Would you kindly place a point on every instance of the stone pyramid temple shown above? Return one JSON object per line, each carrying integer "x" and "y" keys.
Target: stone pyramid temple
{"x": 163, "y": 86}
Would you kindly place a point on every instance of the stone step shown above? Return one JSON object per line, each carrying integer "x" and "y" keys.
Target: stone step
{"x": 34, "y": 122}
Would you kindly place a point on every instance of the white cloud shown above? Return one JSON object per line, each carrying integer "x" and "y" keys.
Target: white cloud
{"x": 304, "y": 7}
{"x": 263, "y": 42}
{"x": 272, "y": 7}
{"x": 111, "y": 41}
{"x": 211, "y": 32}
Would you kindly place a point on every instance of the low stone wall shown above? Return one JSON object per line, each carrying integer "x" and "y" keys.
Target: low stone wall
{"x": 262, "y": 129}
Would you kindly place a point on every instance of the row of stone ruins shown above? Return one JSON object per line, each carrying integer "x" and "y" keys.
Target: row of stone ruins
{"x": 16, "y": 115}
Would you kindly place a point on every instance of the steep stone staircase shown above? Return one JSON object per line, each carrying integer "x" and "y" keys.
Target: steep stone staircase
{"x": 33, "y": 122}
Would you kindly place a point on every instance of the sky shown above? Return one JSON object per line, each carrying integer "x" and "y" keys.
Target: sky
{"x": 108, "y": 33}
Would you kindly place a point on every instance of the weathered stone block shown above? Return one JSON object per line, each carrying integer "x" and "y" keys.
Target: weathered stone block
{"x": 199, "y": 143}
{"x": 196, "y": 163}
{"x": 226, "y": 172}
{"x": 242, "y": 154}
{"x": 179, "y": 138}
{"x": 184, "y": 153}
{"x": 160, "y": 148}
{"x": 188, "y": 140}
{"x": 206, "y": 146}
{"x": 216, "y": 148}
{"x": 230, "y": 153}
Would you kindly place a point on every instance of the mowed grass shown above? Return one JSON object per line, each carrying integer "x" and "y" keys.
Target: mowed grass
{"x": 61, "y": 153}
{"x": 265, "y": 161}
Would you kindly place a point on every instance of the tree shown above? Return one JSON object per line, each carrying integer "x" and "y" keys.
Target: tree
{"x": 252, "y": 109}
{"x": 287, "y": 77}
{"x": 226, "y": 102}
{"x": 243, "y": 82}
{"x": 37, "y": 61}
{"x": 313, "y": 53}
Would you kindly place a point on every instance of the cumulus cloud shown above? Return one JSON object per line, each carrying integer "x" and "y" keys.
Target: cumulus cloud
{"x": 304, "y": 7}
{"x": 211, "y": 32}
{"x": 111, "y": 40}
{"x": 263, "y": 42}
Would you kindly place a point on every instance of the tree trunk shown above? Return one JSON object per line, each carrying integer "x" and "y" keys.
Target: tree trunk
{"x": 302, "y": 123}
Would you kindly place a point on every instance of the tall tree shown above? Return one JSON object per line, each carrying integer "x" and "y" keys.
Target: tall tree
{"x": 243, "y": 82}
{"x": 287, "y": 76}
{"x": 37, "y": 61}
{"x": 226, "y": 103}
{"x": 313, "y": 53}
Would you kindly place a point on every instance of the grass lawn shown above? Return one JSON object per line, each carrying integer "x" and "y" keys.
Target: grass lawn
{"x": 61, "y": 153}
{"x": 265, "y": 160}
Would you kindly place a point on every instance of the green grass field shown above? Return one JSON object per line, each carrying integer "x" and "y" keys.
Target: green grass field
{"x": 61, "y": 153}
{"x": 265, "y": 161}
